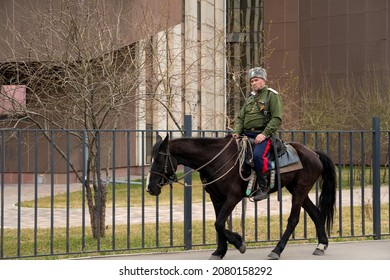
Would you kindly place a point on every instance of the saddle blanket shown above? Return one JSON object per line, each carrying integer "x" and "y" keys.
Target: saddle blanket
{"x": 289, "y": 161}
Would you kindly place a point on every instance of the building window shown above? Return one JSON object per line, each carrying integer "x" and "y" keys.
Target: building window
{"x": 244, "y": 44}
{"x": 12, "y": 100}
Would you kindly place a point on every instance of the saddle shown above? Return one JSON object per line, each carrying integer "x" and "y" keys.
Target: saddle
{"x": 287, "y": 157}
{"x": 286, "y": 153}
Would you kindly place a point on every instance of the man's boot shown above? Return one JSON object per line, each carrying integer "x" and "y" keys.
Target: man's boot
{"x": 262, "y": 192}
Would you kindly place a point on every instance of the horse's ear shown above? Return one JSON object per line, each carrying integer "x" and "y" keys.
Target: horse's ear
{"x": 166, "y": 139}
{"x": 158, "y": 138}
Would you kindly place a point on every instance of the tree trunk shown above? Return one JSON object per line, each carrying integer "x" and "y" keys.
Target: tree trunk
{"x": 98, "y": 221}
{"x": 97, "y": 208}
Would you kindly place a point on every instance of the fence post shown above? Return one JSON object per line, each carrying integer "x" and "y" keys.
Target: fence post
{"x": 187, "y": 191}
{"x": 376, "y": 180}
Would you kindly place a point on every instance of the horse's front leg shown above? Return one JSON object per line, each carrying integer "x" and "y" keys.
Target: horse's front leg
{"x": 222, "y": 213}
{"x": 222, "y": 247}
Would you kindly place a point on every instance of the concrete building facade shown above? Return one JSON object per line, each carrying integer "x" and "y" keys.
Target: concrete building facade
{"x": 192, "y": 55}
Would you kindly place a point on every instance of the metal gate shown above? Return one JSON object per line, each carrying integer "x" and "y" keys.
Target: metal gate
{"x": 44, "y": 210}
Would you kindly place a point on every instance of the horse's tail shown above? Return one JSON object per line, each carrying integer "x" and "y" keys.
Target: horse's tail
{"x": 327, "y": 199}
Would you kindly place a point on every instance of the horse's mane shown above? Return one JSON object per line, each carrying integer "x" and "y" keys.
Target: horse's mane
{"x": 206, "y": 140}
{"x": 199, "y": 141}
{"x": 202, "y": 141}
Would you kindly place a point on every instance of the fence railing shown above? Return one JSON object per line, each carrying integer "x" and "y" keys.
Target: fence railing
{"x": 44, "y": 210}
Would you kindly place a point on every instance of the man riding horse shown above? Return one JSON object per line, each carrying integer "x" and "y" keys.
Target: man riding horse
{"x": 217, "y": 161}
{"x": 259, "y": 118}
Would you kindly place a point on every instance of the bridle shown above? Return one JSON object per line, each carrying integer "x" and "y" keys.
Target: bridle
{"x": 174, "y": 179}
{"x": 165, "y": 179}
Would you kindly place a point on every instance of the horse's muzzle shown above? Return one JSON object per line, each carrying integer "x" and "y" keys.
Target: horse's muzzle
{"x": 151, "y": 192}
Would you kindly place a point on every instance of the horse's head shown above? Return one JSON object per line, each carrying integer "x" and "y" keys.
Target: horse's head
{"x": 163, "y": 168}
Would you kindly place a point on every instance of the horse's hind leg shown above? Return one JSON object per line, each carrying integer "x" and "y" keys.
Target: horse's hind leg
{"x": 314, "y": 214}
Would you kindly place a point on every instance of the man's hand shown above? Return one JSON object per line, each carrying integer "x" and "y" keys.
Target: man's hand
{"x": 235, "y": 135}
{"x": 260, "y": 138}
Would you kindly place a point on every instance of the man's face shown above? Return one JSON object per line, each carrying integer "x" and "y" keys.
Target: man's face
{"x": 257, "y": 83}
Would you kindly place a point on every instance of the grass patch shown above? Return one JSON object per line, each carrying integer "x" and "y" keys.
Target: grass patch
{"x": 135, "y": 195}
{"x": 132, "y": 194}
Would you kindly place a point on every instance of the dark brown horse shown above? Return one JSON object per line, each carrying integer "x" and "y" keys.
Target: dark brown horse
{"x": 216, "y": 161}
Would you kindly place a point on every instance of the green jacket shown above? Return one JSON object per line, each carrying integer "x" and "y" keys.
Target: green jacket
{"x": 252, "y": 118}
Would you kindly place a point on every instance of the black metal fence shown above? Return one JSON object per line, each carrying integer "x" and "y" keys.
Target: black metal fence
{"x": 44, "y": 211}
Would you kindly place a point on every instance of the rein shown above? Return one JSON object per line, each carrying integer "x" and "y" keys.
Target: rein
{"x": 246, "y": 144}
{"x": 176, "y": 179}
{"x": 210, "y": 161}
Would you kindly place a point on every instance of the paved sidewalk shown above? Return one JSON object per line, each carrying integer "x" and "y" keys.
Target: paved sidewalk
{"x": 357, "y": 250}
{"x": 59, "y": 216}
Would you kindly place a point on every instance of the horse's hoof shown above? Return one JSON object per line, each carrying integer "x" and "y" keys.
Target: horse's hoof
{"x": 215, "y": 258}
{"x": 273, "y": 256}
{"x": 318, "y": 252}
{"x": 242, "y": 248}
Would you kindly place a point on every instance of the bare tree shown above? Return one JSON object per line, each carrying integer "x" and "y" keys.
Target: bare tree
{"x": 77, "y": 76}
{"x": 80, "y": 72}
